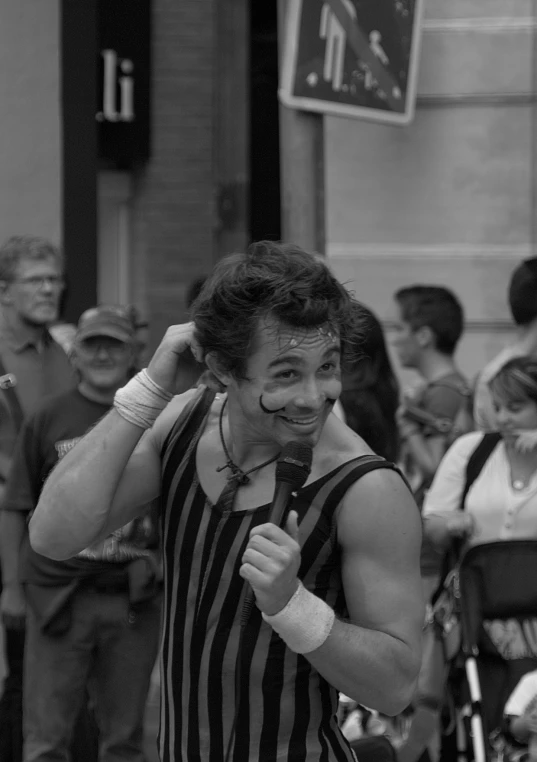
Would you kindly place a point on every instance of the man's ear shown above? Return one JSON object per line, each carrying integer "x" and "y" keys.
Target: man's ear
{"x": 214, "y": 364}
{"x": 424, "y": 337}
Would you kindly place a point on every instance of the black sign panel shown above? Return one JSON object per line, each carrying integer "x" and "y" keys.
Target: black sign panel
{"x": 356, "y": 58}
{"x": 124, "y": 80}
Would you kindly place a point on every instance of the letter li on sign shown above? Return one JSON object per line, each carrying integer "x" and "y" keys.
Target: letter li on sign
{"x": 117, "y": 81}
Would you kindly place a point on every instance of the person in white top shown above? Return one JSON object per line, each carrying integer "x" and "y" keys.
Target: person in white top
{"x": 502, "y": 502}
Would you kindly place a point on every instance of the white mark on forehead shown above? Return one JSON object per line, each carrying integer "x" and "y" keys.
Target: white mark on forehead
{"x": 275, "y": 340}
{"x": 296, "y": 338}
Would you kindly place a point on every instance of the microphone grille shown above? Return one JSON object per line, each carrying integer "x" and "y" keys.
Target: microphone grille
{"x": 294, "y": 464}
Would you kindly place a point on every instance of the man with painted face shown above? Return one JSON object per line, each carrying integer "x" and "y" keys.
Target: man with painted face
{"x": 337, "y": 588}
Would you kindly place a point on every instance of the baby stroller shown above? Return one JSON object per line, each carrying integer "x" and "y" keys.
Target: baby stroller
{"x": 497, "y": 584}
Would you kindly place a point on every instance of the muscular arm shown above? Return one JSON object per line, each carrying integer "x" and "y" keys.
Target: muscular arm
{"x": 78, "y": 505}
{"x": 113, "y": 472}
{"x": 104, "y": 482}
{"x": 375, "y": 657}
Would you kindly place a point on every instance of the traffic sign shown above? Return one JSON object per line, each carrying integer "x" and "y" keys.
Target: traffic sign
{"x": 356, "y": 58}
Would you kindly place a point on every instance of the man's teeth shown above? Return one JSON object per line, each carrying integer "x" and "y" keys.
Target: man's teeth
{"x": 303, "y": 421}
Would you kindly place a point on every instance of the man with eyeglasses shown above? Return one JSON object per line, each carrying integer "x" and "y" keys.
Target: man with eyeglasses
{"x": 32, "y": 366}
{"x": 93, "y": 621}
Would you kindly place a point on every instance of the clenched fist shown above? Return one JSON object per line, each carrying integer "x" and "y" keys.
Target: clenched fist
{"x": 270, "y": 564}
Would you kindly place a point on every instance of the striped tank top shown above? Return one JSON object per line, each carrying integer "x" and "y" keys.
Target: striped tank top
{"x": 286, "y": 710}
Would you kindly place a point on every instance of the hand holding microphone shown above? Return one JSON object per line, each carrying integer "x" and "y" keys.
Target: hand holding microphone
{"x": 272, "y": 557}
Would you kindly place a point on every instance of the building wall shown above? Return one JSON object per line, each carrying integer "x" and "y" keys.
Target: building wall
{"x": 171, "y": 210}
{"x": 449, "y": 199}
{"x": 30, "y": 140}
{"x": 173, "y": 197}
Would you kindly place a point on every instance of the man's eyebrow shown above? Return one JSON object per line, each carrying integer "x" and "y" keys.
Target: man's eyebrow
{"x": 297, "y": 359}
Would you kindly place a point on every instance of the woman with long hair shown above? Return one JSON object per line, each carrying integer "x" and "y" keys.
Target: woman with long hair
{"x": 370, "y": 395}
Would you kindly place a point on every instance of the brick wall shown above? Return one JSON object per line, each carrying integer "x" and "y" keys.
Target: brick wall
{"x": 173, "y": 214}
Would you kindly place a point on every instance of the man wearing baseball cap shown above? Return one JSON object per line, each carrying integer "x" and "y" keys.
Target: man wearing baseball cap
{"x": 92, "y": 622}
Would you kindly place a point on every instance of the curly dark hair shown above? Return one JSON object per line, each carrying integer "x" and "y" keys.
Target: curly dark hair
{"x": 275, "y": 281}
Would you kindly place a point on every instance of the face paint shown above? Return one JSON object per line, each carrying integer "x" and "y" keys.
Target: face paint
{"x": 326, "y": 332}
{"x": 266, "y": 409}
{"x": 293, "y": 380}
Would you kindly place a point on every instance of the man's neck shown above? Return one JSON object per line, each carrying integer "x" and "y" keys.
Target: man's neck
{"x": 22, "y": 331}
{"x": 434, "y": 365}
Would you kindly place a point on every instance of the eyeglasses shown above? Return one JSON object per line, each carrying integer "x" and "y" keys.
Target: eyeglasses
{"x": 37, "y": 282}
{"x": 93, "y": 346}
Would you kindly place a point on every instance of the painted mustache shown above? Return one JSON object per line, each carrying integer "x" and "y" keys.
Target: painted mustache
{"x": 268, "y": 411}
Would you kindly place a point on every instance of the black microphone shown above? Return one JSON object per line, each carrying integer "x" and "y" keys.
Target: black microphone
{"x": 292, "y": 470}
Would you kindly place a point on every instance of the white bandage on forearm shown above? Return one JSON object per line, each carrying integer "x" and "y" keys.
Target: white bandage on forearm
{"x": 304, "y": 623}
{"x": 141, "y": 401}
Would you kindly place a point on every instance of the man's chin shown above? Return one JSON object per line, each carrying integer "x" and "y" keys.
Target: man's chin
{"x": 43, "y": 318}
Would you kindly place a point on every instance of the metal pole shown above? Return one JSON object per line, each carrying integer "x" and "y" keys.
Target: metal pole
{"x": 301, "y": 169}
{"x": 533, "y": 154}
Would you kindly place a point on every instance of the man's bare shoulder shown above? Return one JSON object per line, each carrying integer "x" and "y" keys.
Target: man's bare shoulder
{"x": 378, "y": 502}
{"x": 166, "y": 420}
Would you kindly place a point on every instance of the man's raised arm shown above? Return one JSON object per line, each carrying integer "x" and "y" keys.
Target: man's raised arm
{"x": 110, "y": 475}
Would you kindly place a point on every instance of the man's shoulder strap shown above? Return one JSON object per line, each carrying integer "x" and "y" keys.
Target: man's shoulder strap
{"x": 7, "y": 385}
{"x": 189, "y": 420}
{"x": 476, "y": 462}
{"x": 354, "y": 470}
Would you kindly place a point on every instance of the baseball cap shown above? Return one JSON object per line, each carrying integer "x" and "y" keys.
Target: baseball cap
{"x": 107, "y": 320}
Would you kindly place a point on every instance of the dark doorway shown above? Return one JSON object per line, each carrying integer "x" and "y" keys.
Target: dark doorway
{"x": 265, "y": 219}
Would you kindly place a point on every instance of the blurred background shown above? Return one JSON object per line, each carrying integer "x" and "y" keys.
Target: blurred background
{"x": 147, "y": 138}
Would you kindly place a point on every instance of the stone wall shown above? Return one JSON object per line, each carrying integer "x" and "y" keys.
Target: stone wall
{"x": 450, "y": 198}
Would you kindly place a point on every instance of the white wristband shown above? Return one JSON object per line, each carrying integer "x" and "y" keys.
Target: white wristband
{"x": 304, "y": 623}
{"x": 141, "y": 401}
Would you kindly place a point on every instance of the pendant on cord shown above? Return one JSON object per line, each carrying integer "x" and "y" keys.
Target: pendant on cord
{"x": 236, "y": 474}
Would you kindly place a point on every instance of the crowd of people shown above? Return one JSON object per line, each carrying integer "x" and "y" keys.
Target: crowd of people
{"x": 135, "y": 509}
